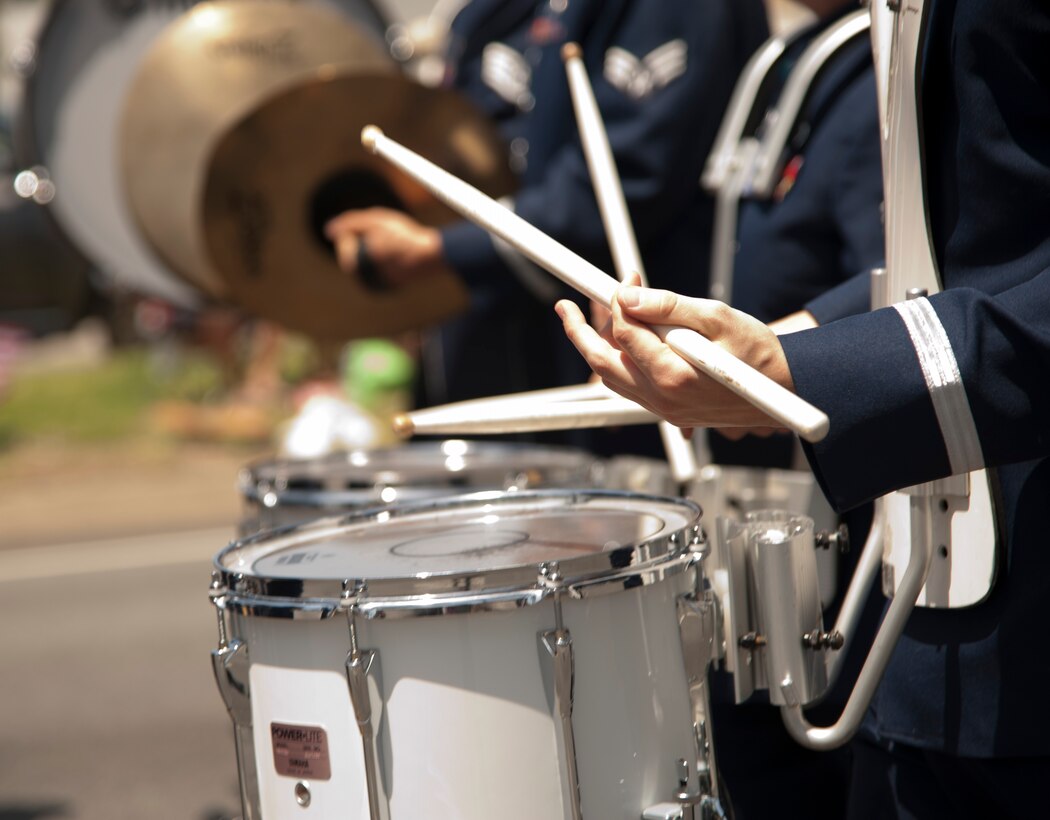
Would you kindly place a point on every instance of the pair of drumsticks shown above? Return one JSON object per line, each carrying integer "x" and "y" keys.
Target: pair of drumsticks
{"x": 590, "y": 405}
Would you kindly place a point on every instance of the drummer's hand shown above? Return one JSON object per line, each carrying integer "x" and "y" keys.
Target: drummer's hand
{"x": 800, "y": 320}
{"x": 601, "y": 316}
{"x": 400, "y": 248}
{"x": 632, "y": 360}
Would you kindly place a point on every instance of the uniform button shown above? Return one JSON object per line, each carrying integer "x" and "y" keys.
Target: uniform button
{"x": 526, "y": 102}
{"x": 559, "y": 6}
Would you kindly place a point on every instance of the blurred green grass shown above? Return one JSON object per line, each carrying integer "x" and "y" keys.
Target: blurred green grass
{"x": 103, "y": 402}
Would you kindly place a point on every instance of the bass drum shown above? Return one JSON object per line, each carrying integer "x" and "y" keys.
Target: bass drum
{"x": 86, "y": 55}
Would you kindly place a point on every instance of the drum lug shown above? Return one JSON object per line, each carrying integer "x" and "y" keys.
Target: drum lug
{"x": 558, "y": 643}
{"x": 362, "y": 677}
{"x": 560, "y": 673}
{"x": 698, "y": 632}
{"x": 230, "y": 664}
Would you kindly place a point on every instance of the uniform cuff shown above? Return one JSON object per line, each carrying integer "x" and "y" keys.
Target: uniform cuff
{"x": 864, "y": 373}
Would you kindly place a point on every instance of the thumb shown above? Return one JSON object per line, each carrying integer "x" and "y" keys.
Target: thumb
{"x": 649, "y": 305}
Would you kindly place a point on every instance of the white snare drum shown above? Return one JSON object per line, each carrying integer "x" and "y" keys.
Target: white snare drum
{"x": 86, "y": 56}
{"x": 549, "y": 679}
{"x": 290, "y": 491}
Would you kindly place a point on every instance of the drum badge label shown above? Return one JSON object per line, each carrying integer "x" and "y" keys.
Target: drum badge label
{"x": 300, "y": 751}
{"x": 639, "y": 77}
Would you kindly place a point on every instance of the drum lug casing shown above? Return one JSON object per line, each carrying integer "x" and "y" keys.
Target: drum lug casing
{"x": 230, "y": 664}
{"x": 362, "y": 677}
{"x": 698, "y": 629}
{"x": 560, "y": 674}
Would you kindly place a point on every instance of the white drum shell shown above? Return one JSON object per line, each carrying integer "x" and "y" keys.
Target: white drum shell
{"x": 466, "y": 731}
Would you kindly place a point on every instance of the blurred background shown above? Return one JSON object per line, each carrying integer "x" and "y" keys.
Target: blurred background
{"x": 129, "y": 402}
{"x": 125, "y": 417}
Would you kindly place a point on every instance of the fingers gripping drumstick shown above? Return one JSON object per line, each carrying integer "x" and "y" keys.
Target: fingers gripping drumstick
{"x": 617, "y": 221}
{"x": 758, "y": 389}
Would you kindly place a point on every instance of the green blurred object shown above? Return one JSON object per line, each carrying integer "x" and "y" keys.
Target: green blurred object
{"x": 102, "y": 402}
{"x": 377, "y": 375}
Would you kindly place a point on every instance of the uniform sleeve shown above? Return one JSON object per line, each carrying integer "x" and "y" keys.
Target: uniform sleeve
{"x": 927, "y": 388}
{"x": 662, "y": 75}
{"x": 662, "y": 82}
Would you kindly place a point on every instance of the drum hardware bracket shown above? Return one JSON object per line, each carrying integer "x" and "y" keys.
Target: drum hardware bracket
{"x": 558, "y": 645}
{"x": 687, "y": 805}
{"x": 816, "y": 639}
{"x": 230, "y": 664}
{"x": 751, "y": 641}
{"x": 362, "y": 677}
{"x": 698, "y": 630}
{"x": 839, "y": 539}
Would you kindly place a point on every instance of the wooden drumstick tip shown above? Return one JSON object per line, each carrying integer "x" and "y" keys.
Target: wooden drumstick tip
{"x": 403, "y": 425}
{"x": 571, "y": 50}
{"x": 370, "y": 135}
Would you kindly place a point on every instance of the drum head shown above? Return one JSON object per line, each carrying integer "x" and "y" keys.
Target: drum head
{"x": 486, "y": 543}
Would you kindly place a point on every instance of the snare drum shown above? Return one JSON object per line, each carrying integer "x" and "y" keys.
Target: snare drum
{"x": 290, "y": 491}
{"x": 548, "y": 680}
{"x": 84, "y": 61}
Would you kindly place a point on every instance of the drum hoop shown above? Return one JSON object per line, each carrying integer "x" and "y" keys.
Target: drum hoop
{"x": 254, "y": 486}
{"x": 646, "y": 562}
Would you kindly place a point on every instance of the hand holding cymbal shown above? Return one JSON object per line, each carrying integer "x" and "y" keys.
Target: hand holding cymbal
{"x": 387, "y": 245}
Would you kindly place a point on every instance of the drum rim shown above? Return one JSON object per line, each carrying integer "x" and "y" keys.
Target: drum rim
{"x": 647, "y": 561}
{"x": 255, "y": 488}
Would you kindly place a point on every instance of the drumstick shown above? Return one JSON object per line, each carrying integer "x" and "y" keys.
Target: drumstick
{"x": 758, "y": 389}
{"x": 502, "y": 416}
{"x": 461, "y": 417}
{"x": 573, "y": 392}
{"x": 617, "y": 221}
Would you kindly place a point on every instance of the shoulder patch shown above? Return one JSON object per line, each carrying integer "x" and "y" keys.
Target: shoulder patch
{"x": 508, "y": 73}
{"x": 639, "y": 77}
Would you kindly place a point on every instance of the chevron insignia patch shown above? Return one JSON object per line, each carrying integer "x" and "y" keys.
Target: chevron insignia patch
{"x": 508, "y": 73}
{"x": 639, "y": 77}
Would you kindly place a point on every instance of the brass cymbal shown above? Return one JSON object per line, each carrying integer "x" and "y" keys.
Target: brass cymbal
{"x": 208, "y": 68}
{"x": 280, "y": 173}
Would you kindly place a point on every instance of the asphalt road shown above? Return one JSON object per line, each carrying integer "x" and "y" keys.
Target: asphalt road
{"x": 108, "y": 709}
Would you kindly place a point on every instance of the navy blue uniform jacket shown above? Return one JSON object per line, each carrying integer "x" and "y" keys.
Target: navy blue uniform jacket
{"x": 972, "y": 682}
{"x": 824, "y": 224}
{"x": 662, "y": 72}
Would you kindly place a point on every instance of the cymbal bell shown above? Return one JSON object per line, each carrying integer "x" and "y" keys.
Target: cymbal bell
{"x": 209, "y": 67}
{"x": 295, "y": 161}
